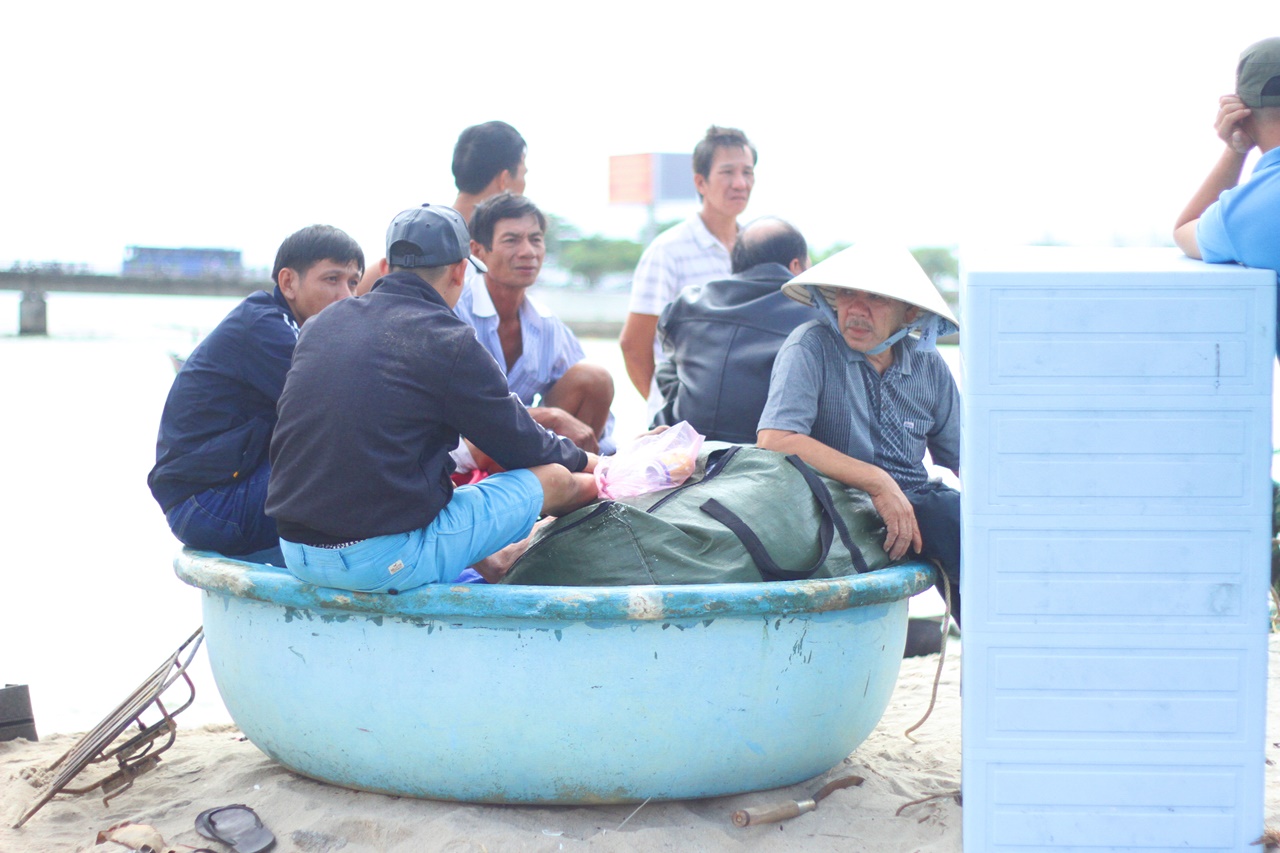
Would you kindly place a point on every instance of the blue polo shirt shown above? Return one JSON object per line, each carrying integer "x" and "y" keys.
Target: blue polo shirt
{"x": 1240, "y": 227}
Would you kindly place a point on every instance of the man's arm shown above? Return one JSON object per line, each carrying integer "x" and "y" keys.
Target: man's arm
{"x": 902, "y": 531}
{"x": 562, "y": 423}
{"x": 483, "y": 410}
{"x": 265, "y": 351}
{"x": 1224, "y": 175}
{"x": 636, "y": 342}
{"x": 655, "y": 282}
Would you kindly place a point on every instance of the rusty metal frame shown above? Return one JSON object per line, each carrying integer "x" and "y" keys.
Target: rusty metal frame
{"x": 139, "y": 753}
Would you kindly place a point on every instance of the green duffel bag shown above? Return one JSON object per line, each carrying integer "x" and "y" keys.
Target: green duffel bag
{"x": 744, "y": 515}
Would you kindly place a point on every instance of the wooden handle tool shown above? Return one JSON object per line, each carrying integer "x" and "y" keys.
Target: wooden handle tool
{"x": 793, "y": 808}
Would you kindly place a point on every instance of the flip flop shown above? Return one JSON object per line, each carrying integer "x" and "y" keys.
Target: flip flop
{"x": 237, "y": 826}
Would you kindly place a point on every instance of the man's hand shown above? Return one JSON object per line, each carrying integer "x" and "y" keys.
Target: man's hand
{"x": 1231, "y": 111}
{"x": 899, "y": 516}
{"x": 562, "y": 423}
{"x": 1224, "y": 175}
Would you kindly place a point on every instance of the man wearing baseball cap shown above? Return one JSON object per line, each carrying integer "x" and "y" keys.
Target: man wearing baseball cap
{"x": 1226, "y": 223}
{"x": 374, "y": 403}
{"x": 861, "y": 393}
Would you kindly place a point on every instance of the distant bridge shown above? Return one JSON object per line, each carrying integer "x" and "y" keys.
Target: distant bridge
{"x": 589, "y": 313}
{"x": 34, "y": 284}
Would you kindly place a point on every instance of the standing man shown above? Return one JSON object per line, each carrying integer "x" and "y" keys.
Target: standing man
{"x": 694, "y": 252}
{"x": 1226, "y": 223}
{"x": 211, "y": 470}
{"x": 721, "y": 338}
{"x": 488, "y": 159}
{"x": 380, "y": 389}
{"x": 541, "y": 357}
{"x": 857, "y": 398}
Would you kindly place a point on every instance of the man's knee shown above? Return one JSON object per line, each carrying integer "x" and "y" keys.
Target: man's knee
{"x": 562, "y": 490}
{"x": 583, "y": 383}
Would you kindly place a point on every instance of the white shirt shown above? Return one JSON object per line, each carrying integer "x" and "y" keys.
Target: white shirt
{"x": 548, "y": 347}
{"x": 682, "y": 255}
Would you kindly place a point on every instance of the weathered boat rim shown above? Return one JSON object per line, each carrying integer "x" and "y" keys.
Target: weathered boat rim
{"x": 228, "y": 576}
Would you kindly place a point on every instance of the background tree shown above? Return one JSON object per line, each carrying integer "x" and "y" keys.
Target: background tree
{"x": 596, "y": 256}
{"x": 940, "y": 264}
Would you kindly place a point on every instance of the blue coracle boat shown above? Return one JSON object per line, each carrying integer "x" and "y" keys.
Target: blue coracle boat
{"x": 536, "y": 694}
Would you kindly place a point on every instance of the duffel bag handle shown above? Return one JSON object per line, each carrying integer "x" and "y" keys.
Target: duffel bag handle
{"x": 823, "y": 496}
{"x": 830, "y": 521}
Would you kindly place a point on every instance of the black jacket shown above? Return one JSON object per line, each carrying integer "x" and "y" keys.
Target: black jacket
{"x": 720, "y": 340}
{"x": 218, "y": 418}
{"x": 380, "y": 388}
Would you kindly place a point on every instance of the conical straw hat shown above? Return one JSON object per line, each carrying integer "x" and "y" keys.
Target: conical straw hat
{"x": 886, "y": 270}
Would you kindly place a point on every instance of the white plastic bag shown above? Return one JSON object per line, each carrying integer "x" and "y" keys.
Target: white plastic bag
{"x": 650, "y": 464}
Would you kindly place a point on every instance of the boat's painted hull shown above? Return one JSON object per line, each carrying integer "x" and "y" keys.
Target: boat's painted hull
{"x": 555, "y": 694}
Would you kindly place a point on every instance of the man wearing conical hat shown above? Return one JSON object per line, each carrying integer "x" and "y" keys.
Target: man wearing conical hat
{"x": 862, "y": 393}
{"x": 1225, "y": 223}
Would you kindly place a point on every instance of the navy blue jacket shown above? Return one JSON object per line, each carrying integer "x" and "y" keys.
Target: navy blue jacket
{"x": 218, "y": 418}
{"x": 721, "y": 340}
{"x": 381, "y": 387}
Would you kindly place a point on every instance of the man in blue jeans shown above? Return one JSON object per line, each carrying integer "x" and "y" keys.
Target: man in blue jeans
{"x": 211, "y": 470}
{"x": 380, "y": 390}
{"x": 862, "y": 393}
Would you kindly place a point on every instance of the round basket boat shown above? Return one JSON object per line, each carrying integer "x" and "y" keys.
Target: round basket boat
{"x": 535, "y": 694}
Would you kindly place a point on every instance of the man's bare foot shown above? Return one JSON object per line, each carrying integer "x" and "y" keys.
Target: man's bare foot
{"x": 494, "y": 567}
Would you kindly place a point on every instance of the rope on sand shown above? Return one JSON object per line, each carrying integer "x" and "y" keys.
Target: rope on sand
{"x": 942, "y": 657}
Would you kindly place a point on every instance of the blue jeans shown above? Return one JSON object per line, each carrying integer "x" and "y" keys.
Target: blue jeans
{"x": 479, "y": 520}
{"x": 937, "y": 509}
{"x": 228, "y": 519}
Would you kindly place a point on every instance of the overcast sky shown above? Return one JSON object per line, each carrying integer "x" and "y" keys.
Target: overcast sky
{"x": 233, "y": 124}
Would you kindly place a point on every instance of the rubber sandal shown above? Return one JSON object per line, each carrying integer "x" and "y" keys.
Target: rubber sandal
{"x": 237, "y": 826}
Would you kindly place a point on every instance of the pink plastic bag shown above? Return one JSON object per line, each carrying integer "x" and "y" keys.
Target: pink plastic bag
{"x": 650, "y": 464}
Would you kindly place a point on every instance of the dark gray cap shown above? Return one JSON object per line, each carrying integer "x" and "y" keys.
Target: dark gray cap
{"x": 429, "y": 236}
{"x": 1258, "y": 75}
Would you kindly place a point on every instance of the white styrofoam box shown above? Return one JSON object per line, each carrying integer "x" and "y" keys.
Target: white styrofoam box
{"x": 1122, "y": 574}
{"x": 1116, "y": 538}
{"x": 1104, "y": 698}
{"x": 1070, "y": 454}
{"x": 1062, "y": 804}
{"x": 1114, "y": 322}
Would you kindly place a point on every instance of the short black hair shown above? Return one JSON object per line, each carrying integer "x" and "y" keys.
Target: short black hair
{"x": 719, "y": 137}
{"x": 767, "y": 240}
{"x": 504, "y": 205}
{"x": 307, "y": 247}
{"x": 483, "y": 151}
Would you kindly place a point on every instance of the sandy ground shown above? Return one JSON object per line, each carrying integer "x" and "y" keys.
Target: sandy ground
{"x": 213, "y": 765}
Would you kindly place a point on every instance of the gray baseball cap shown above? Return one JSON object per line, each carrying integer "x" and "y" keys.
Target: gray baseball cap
{"x": 429, "y": 236}
{"x": 1258, "y": 74}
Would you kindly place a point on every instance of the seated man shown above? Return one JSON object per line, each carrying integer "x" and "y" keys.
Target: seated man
{"x": 1225, "y": 223}
{"x": 860, "y": 401}
{"x": 541, "y": 357}
{"x": 380, "y": 389}
{"x": 211, "y": 470}
{"x": 720, "y": 338}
